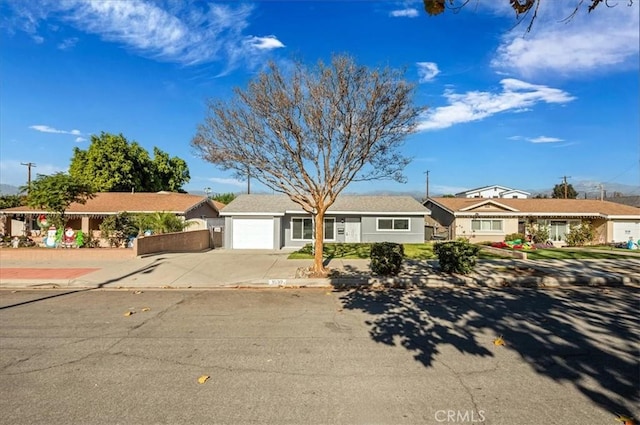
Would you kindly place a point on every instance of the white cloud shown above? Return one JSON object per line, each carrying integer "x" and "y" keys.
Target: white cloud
{"x": 427, "y": 71}
{"x": 404, "y": 13}
{"x": 515, "y": 96}
{"x": 545, "y": 139}
{"x": 68, "y": 43}
{"x": 229, "y": 181}
{"x": 265, "y": 43}
{"x": 182, "y": 32}
{"x": 47, "y": 129}
{"x": 80, "y": 139}
{"x": 608, "y": 37}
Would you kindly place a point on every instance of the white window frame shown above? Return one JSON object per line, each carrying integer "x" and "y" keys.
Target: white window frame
{"x": 492, "y": 221}
{"x": 393, "y": 225}
{"x": 303, "y": 219}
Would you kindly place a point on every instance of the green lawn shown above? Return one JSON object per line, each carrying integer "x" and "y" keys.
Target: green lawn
{"x": 418, "y": 251}
{"x": 424, "y": 251}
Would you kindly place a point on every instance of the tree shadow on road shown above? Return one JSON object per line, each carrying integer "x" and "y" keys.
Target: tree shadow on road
{"x": 578, "y": 336}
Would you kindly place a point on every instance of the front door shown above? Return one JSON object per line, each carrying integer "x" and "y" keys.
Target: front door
{"x": 352, "y": 231}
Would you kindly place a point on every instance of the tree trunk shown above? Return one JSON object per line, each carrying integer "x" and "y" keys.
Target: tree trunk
{"x": 318, "y": 260}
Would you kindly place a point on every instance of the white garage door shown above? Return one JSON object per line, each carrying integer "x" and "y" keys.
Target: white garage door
{"x": 622, "y": 230}
{"x": 252, "y": 233}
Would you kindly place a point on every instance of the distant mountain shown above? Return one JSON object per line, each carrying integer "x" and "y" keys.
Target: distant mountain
{"x": 7, "y": 189}
{"x": 591, "y": 190}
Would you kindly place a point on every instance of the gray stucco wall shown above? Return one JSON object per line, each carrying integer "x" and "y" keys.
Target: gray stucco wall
{"x": 368, "y": 230}
{"x": 415, "y": 234}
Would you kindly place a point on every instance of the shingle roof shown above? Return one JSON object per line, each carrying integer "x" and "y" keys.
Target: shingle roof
{"x": 114, "y": 202}
{"x": 349, "y": 204}
{"x": 543, "y": 206}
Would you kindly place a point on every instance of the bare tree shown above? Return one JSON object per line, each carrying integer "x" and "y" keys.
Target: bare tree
{"x": 309, "y": 132}
{"x": 520, "y": 7}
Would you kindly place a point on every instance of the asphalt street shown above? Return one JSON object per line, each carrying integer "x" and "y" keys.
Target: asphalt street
{"x": 317, "y": 356}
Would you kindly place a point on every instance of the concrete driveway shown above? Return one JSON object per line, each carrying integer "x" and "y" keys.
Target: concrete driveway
{"x": 215, "y": 268}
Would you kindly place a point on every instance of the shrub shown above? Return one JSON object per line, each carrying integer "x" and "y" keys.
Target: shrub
{"x": 117, "y": 229}
{"x": 90, "y": 241}
{"x": 386, "y": 258}
{"x": 515, "y": 237}
{"x": 580, "y": 235}
{"x": 456, "y": 256}
{"x": 539, "y": 232}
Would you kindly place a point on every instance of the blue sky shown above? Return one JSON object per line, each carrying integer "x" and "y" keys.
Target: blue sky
{"x": 506, "y": 107}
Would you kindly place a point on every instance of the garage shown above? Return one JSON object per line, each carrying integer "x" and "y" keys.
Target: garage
{"x": 252, "y": 233}
{"x": 623, "y": 230}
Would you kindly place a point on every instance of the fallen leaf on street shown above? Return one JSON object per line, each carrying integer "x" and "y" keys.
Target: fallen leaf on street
{"x": 203, "y": 379}
{"x": 146, "y": 309}
{"x": 137, "y": 292}
{"x": 499, "y": 341}
{"x": 129, "y": 313}
{"x": 626, "y": 420}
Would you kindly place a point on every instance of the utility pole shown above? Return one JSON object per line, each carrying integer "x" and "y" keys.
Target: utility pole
{"x": 29, "y": 165}
{"x": 427, "y": 173}
{"x": 601, "y": 186}
{"x": 564, "y": 178}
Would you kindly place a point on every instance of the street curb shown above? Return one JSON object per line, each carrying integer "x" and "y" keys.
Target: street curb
{"x": 438, "y": 281}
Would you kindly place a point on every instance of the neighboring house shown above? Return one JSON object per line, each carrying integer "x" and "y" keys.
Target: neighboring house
{"x": 88, "y": 217}
{"x": 491, "y": 219}
{"x": 493, "y": 192}
{"x": 275, "y": 221}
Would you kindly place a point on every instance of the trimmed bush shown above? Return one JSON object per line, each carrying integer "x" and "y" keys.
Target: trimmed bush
{"x": 580, "y": 235}
{"x": 456, "y": 256}
{"x": 386, "y": 258}
{"x": 515, "y": 237}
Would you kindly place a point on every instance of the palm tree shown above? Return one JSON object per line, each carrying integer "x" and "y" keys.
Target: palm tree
{"x": 166, "y": 222}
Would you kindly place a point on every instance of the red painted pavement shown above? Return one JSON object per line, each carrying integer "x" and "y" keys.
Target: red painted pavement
{"x": 43, "y": 273}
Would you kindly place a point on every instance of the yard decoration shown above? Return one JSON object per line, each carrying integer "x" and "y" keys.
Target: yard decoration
{"x": 50, "y": 239}
{"x": 515, "y": 244}
{"x": 43, "y": 223}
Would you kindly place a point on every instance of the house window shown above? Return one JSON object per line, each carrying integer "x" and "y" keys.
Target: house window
{"x": 486, "y": 225}
{"x": 302, "y": 229}
{"x": 393, "y": 224}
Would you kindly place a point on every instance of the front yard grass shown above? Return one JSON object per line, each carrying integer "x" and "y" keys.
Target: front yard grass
{"x": 424, "y": 251}
{"x": 416, "y": 251}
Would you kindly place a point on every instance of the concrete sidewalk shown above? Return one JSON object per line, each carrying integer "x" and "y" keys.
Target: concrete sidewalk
{"x": 234, "y": 269}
